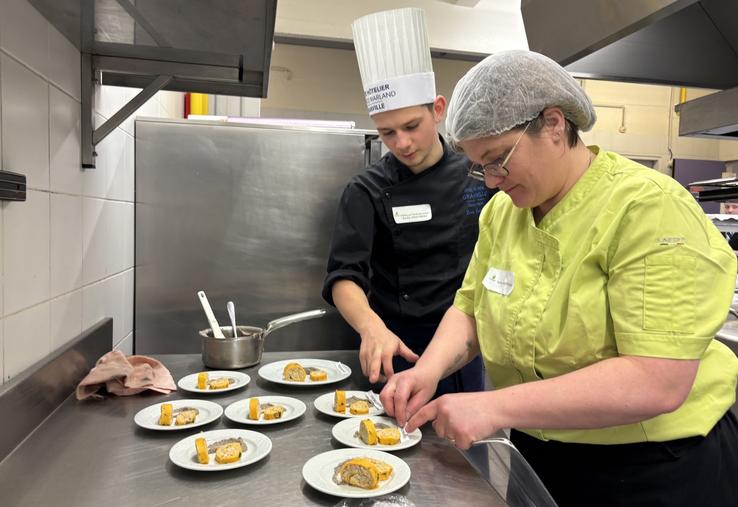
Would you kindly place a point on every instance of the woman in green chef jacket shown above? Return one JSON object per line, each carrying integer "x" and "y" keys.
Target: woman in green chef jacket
{"x": 593, "y": 296}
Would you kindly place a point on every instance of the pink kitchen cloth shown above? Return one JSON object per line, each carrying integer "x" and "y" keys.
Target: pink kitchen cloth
{"x": 125, "y": 376}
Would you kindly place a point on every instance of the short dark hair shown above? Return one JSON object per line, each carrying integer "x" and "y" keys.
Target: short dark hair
{"x": 572, "y": 131}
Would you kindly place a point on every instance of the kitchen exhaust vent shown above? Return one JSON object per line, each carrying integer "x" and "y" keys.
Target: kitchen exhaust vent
{"x": 673, "y": 42}
{"x": 712, "y": 116}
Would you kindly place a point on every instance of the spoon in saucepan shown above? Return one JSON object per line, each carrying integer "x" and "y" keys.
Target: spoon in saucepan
{"x": 217, "y": 332}
{"x": 232, "y": 314}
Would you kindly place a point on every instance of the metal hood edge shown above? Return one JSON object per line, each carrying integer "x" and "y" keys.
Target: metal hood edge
{"x": 712, "y": 116}
{"x": 691, "y": 43}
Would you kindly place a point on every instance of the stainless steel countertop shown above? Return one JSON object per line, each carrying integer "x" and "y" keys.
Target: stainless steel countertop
{"x": 729, "y": 331}
{"x": 92, "y": 453}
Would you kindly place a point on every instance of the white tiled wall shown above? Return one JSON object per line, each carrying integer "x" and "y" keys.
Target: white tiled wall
{"x": 26, "y": 251}
{"x": 65, "y": 318}
{"x": 65, "y": 244}
{"x": 2, "y": 354}
{"x": 26, "y": 338}
{"x": 25, "y": 122}
{"x": 66, "y": 253}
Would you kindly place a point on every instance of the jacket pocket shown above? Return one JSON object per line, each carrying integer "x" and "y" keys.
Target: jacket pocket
{"x": 669, "y": 293}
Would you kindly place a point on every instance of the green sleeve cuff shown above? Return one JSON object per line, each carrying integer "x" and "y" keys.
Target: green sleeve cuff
{"x": 665, "y": 346}
{"x": 464, "y": 304}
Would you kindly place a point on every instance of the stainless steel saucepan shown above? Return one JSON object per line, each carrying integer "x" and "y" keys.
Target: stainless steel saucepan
{"x": 245, "y": 349}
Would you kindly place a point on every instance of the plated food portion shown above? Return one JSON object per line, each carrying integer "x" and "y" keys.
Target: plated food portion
{"x": 346, "y": 404}
{"x": 304, "y": 372}
{"x": 356, "y": 473}
{"x": 356, "y": 404}
{"x": 180, "y": 417}
{"x": 226, "y": 451}
{"x": 379, "y": 433}
{"x": 265, "y": 410}
{"x": 374, "y": 433}
{"x": 178, "y": 414}
{"x": 218, "y": 450}
{"x": 295, "y": 372}
{"x": 213, "y": 381}
{"x": 362, "y": 472}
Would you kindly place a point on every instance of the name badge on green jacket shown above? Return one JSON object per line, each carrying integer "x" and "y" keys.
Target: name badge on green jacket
{"x": 499, "y": 281}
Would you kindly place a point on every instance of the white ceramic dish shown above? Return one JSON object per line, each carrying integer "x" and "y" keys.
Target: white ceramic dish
{"x": 149, "y": 417}
{"x": 183, "y": 453}
{"x": 238, "y": 411}
{"x": 336, "y": 371}
{"x": 318, "y": 472}
{"x": 189, "y": 383}
{"x": 324, "y": 403}
{"x": 346, "y": 433}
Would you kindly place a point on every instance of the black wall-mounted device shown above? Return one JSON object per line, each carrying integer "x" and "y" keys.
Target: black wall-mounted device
{"x": 12, "y": 186}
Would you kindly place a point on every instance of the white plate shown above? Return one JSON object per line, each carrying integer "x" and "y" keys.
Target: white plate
{"x": 318, "y": 472}
{"x": 149, "y": 417}
{"x": 238, "y": 411}
{"x": 345, "y": 432}
{"x": 189, "y": 383}
{"x": 183, "y": 453}
{"x": 273, "y": 371}
{"x": 324, "y": 403}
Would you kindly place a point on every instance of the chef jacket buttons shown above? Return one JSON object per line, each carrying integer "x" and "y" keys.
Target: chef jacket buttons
{"x": 405, "y": 296}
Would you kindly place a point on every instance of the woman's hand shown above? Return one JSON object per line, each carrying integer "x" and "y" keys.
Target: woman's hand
{"x": 462, "y": 418}
{"x": 406, "y": 392}
{"x": 378, "y": 346}
{"x": 612, "y": 392}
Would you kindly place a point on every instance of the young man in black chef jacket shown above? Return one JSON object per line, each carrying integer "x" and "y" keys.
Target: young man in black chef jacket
{"x": 406, "y": 227}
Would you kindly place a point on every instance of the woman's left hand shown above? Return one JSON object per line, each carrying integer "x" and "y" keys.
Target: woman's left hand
{"x": 461, "y": 418}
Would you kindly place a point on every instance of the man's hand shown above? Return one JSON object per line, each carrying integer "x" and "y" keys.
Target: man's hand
{"x": 378, "y": 346}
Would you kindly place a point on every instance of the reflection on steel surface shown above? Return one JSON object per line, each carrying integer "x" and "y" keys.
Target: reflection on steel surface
{"x": 245, "y": 213}
{"x": 499, "y": 462}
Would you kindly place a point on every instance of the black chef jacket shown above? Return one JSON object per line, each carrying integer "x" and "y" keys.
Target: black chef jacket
{"x": 411, "y": 271}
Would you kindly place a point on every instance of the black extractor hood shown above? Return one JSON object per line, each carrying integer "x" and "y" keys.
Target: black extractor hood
{"x": 673, "y": 42}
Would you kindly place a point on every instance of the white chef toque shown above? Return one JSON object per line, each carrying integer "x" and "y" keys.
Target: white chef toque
{"x": 394, "y": 59}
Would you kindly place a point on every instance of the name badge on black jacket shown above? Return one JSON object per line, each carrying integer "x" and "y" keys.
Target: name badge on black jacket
{"x": 407, "y": 239}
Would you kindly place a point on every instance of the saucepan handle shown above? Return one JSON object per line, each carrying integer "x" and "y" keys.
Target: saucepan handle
{"x": 291, "y": 319}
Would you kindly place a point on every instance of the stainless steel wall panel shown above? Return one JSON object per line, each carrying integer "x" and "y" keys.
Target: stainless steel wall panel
{"x": 245, "y": 213}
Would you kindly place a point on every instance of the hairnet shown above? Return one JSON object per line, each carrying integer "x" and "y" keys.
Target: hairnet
{"x": 509, "y": 88}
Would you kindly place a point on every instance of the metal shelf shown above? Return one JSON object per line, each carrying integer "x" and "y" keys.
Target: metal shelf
{"x": 726, "y": 226}
{"x": 723, "y": 189}
{"x": 222, "y": 47}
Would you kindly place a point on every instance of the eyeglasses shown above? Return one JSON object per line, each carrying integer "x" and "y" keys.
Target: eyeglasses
{"x": 478, "y": 171}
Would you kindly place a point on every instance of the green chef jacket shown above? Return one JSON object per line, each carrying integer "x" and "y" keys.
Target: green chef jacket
{"x": 626, "y": 263}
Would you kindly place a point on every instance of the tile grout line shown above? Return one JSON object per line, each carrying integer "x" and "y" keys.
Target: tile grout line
{"x": 2, "y": 225}
{"x": 101, "y": 280}
{"x": 38, "y": 74}
{"x": 48, "y": 164}
{"x": 2, "y": 234}
{"x": 69, "y": 194}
